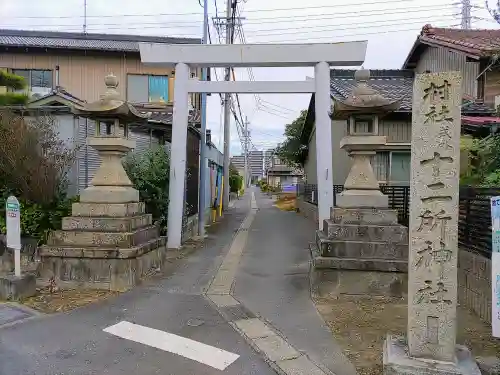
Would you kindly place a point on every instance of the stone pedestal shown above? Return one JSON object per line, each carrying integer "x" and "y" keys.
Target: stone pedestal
{"x": 361, "y": 251}
{"x": 17, "y": 287}
{"x": 397, "y": 361}
{"x": 104, "y": 246}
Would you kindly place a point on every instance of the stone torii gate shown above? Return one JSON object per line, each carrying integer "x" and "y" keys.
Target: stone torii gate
{"x": 184, "y": 56}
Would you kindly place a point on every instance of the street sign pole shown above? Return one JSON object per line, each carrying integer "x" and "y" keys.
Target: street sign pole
{"x": 13, "y": 220}
{"x": 495, "y": 266}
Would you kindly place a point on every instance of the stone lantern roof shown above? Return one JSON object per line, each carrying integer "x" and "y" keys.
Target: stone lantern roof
{"x": 363, "y": 99}
{"x": 110, "y": 106}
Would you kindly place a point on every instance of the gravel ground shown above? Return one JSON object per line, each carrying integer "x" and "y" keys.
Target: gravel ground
{"x": 361, "y": 325}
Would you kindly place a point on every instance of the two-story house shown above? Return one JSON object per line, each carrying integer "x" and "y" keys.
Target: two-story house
{"x": 63, "y": 69}
{"x": 281, "y": 174}
{"x": 80, "y": 62}
{"x": 474, "y": 53}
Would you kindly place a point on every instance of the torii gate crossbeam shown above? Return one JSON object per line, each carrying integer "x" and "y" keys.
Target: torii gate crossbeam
{"x": 184, "y": 56}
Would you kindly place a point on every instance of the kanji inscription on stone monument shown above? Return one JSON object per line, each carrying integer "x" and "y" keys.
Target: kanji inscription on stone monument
{"x": 432, "y": 294}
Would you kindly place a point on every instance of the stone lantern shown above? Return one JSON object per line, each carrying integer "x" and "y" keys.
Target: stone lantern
{"x": 109, "y": 241}
{"x": 112, "y": 117}
{"x": 362, "y": 109}
{"x": 362, "y": 250}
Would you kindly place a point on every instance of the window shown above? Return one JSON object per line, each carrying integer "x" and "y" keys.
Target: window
{"x": 37, "y": 81}
{"x": 143, "y": 88}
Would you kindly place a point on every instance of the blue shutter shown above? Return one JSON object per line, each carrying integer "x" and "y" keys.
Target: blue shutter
{"x": 158, "y": 89}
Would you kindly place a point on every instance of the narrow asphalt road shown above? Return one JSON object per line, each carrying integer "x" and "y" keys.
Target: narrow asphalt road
{"x": 276, "y": 264}
{"x": 75, "y": 343}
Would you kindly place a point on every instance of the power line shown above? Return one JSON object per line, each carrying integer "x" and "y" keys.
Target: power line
{"x": 330, "y": 38}
{"x": 201, "y": 13}
{"x": 196, "y": 24}
{"x": 415, "y": 21}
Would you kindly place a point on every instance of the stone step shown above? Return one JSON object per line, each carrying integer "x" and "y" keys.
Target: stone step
{"x": 365, "y": 232}
{"x": 104, "y": 239}
{"x": 106, "y": 224}
{"x": 360, "y": 249}
{"x": 102, "y": 252}
{"x": 376, "y": 216}
{"x": 381, "y": 265}
{"x": 108, "y": 209}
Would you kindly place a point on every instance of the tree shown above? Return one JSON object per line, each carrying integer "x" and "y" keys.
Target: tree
{"x": 235, "y": 180}
{"x": 484, "y": 161}
{"x": 11, "y": 81}
{"x": 292, "y": 149}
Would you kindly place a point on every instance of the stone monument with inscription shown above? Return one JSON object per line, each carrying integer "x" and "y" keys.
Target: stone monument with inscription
{"x": 362, "y": 249}
{"x": 430, "y": 346}
{"x": 109, "y": 242}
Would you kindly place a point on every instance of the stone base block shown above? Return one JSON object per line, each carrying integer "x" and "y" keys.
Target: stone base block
{"x": 365, "y": 232}
{"x": 357, "y": 264}
{"x": 98, "y": 268}
{"x": 14, "y": 288}
{"x": 333, "y": 277}
{"x": 108, "y": 209}
{"x": 368, "y": 198}
{"x": 362, "y": 249}
{"x": 398, "y": 362}
{"x": 105, "y": 239}
{"x": 375, "y": 216}
{"x": 109, "y": 194}
{"x": 106, "y": 224}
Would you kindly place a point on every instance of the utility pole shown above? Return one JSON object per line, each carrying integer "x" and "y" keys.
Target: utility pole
{"x": 246, "y": 136}
{"x": 203, "y": 147}
{"x": 466, "y": 14}
{"x": 85, "y": 16}
{"x": 227, "y": 109}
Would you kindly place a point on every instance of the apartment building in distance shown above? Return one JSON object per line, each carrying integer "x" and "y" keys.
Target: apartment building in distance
{"x": 255, "y": 164}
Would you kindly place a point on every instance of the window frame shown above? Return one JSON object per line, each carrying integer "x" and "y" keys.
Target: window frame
{"x": 167, "y": 76}
{"x": 29, "y": 84}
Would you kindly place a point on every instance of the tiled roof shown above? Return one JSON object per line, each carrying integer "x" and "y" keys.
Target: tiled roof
{"x": 80, "y": 41}
{"x": 163, "y": 114}
{"x": 479, "y": 42}
{"x": 392, "y": 84}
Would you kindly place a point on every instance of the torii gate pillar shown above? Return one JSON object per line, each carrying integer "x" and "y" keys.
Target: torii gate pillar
{"x": 182, "y": 56}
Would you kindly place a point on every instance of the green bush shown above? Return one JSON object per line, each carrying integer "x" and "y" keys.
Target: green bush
{"x": 235, "y": 183}
{"x": 149, "y": 172}
{"x": 37, "y": 220}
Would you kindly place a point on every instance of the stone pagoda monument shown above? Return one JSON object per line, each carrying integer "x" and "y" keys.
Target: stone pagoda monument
{"x": 362, "y": 248}
{"x": 109, "y": 242}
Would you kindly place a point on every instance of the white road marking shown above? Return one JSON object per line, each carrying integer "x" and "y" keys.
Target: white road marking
{"x": 197, "y": 351}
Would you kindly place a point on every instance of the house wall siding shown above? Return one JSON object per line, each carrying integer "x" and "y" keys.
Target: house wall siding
{"x": 310, "y": 166}
{"x": 340, "y": 160}
{"x": 491, "y": 86}
{"x": 438, "y": 59}
{"x": 83, "y": 76}
{"x": 395, "y": 131}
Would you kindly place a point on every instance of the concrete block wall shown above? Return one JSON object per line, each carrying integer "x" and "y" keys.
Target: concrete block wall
{"x": 474, "y": 283}
{"x": 307, "y": 209}
{"x": 474, "y": 273}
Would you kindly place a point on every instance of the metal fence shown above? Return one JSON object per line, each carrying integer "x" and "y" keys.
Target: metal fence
{"x": 474, "y": 221}
{"x": 399, "y": 197}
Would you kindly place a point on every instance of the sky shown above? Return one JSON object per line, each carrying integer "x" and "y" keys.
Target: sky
{"x": 390, "y": 26}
